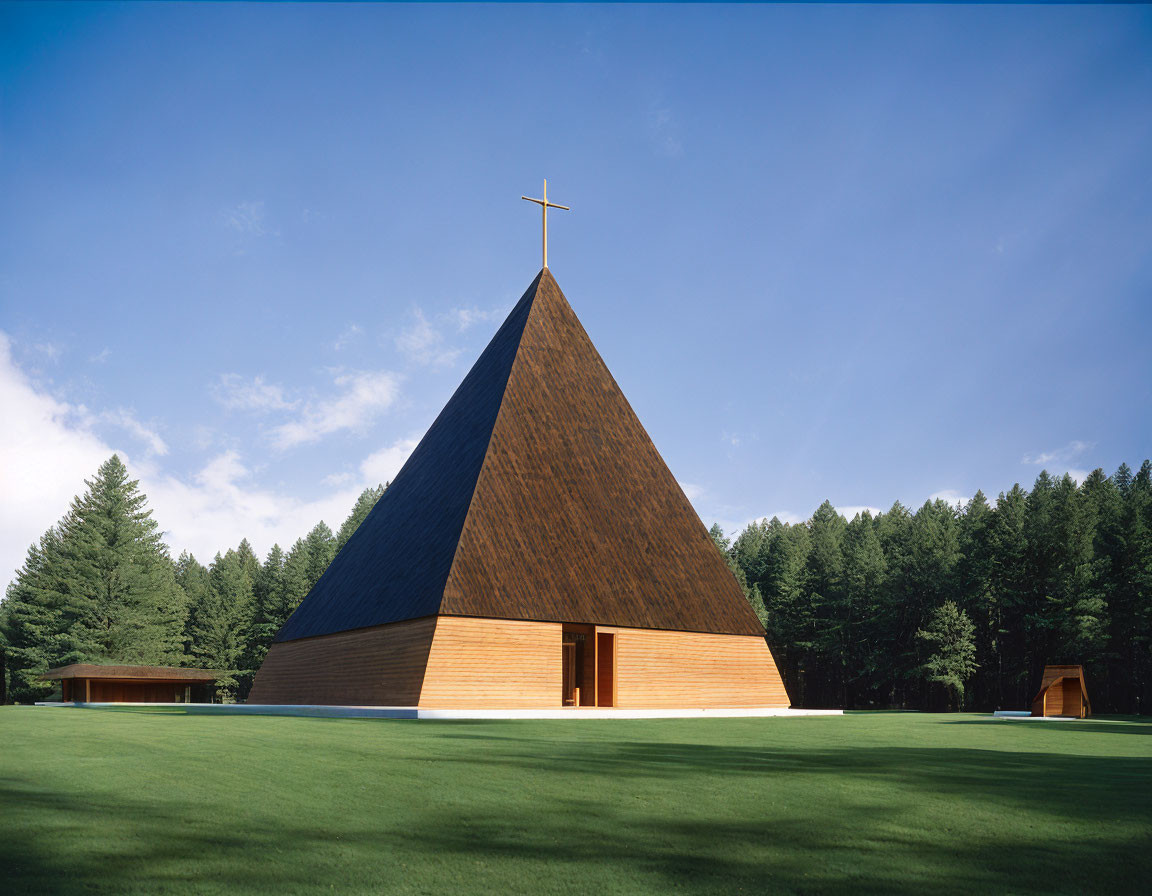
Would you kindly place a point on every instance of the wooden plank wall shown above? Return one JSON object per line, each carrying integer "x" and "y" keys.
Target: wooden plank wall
{"x": 494, "y": 663}
{"x": 516, "y": 664}
{"x": 687, "y": 669}
{"x": 379, "y": 666}
{"x": 457, "y": 662}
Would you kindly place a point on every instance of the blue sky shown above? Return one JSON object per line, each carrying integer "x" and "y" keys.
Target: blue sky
{"x": 846, "y": 252}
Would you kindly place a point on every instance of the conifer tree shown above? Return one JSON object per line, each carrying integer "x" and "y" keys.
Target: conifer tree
{"x": 751, "y": 592}
{"x": 220, "y": 622}
{"x": 265, "y": 597}
{"x": 99, "y": 587}
{"x": 118, "y": 575}
{"x": 824, "y": 582}
{"x": 1011, "y": 585}
{"x": 952, "y": 657}
{"x": 192, "y": 578}
{"x": 864, "y": 572}
{"x": 975, "y": 593}
{"x": 321, "y": 547}
{"x": 360, "y": 511}
{"x": 789, "y": 614}
{"x": 34, "y": 622}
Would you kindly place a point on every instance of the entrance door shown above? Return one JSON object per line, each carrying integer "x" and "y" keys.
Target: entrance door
{"x": 568, "y": 695}
{"x": 605, "y": 669}
{"x": 1073, "y": 699}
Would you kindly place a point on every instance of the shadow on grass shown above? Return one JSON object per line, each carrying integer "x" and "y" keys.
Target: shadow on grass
{"x": 1116, "y": 725}
{"x": 1085, "y": 788}
{"x": 607, "y": 829}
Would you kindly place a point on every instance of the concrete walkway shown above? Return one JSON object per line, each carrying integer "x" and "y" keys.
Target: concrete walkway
{"x": 413, "y": 712}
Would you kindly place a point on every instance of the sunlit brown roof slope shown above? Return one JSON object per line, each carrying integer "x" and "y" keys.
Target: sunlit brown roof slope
{"x": 575, "y": 516}
{"x": 536, "y": 495}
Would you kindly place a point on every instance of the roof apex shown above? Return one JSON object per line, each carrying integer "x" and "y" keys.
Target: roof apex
{"x": 537, "y": 495}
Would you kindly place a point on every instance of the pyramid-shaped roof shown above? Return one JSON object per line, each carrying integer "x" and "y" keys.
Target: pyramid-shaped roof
{"x": 536, "y": 494}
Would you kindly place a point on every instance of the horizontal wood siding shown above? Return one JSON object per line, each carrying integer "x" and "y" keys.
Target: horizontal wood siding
{"x": 380, "y": 666}
{"x": 494, "y": 663}
{"x": 686, "y": 669}
{"x": 1062, "y": 693}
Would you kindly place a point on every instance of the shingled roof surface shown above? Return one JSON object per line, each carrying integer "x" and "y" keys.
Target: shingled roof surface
{"x": 163, "y": 673}
{"x": 536, "y": 494}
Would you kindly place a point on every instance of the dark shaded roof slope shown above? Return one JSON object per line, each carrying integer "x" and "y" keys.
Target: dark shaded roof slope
{"x": 537, "y": 494}
{"x": 145, "y": 673}
{"x": 396, "y": 563}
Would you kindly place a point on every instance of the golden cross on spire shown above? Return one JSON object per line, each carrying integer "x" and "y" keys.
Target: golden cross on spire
{"x": 545, "y": 205}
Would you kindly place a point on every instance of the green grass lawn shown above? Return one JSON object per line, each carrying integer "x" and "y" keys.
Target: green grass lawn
{"x": 161, "y": 802}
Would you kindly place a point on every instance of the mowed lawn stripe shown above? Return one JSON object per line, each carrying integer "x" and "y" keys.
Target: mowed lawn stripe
{"x": 140, "y": 801}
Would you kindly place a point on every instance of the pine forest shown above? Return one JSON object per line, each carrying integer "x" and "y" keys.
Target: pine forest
{"x": 945, "y": 607}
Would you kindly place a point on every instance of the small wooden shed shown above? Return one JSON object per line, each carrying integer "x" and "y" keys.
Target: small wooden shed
{"x": 91, "y": 683}
{"x": 1062, "y": 693}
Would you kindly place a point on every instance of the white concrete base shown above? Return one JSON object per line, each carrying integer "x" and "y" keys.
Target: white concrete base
{"x": 1025, "y": 716}
{"x": 415, "y": 712}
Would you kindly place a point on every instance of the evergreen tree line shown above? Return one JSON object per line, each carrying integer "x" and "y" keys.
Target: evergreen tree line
{"x": 961, "y": 606}
{"x": 101, "y": 587}
{"x": 946, "y": 606}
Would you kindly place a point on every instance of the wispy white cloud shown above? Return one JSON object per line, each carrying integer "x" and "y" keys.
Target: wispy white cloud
{"x": 50, "y": 350}
{"x": 47, "y": 450}
{"x": 692, "y": 491}
{"x": 850, "y": 511}
{"x": 50, "y": 447}
{"x": 950, "y": 496}
{"x": 365, "y": 395}
{"x": 238, "y": 394}
{"x": 382, "y": 466}
{"x": 101, "y": 356}
{"x": 1065, "y": 455}
{"x": 665, "y": 129}
{"x": 347, "y": 336}
{"x": 466, "y": 318}
{"x": 127, "y": 421}
{"x": 425, "y": 344}
{"x": 247, "y": 217}
{"x": 1062, "y": 460}
{"x": 220, "y": 504}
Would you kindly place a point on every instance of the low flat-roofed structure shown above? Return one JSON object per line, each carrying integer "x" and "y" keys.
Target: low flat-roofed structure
{"x": 92, "y": 683}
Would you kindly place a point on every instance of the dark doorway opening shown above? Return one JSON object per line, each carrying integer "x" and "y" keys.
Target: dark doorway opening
{"x": 579, "y": 659}
{"x": 605, "y": 669}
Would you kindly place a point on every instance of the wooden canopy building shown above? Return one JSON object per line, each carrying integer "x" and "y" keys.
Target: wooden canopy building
{"x": 534, "y": 551}
{"x": 1062, "y": 693}
{"x": 91, "y": 683}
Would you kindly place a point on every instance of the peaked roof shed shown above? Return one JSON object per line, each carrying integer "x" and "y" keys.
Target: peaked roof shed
{"x": 1062, "y": 693}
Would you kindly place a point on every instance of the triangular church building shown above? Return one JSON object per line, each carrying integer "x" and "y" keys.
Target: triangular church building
{"x": 534, "y": 551}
